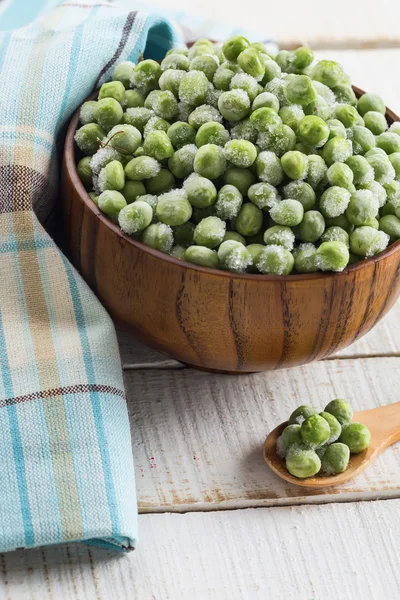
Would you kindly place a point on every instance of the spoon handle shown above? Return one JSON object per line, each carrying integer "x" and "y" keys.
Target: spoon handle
{"x": 383, "y": 422}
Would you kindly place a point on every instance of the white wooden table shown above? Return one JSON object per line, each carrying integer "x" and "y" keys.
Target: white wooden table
{"x": 215, "y": 522}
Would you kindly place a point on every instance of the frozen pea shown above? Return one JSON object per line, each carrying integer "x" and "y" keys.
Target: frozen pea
{"x": 340, "y": 174}
{"x": 201, "y": 192}
{"x": 332, "y": 256}
{"x": 335, "y": 459}
{"x": 392, "y": 190}
{"x": 287, "y": 212}
{"x": 284, "y": 60}
{"x": 334, "y": 426}
{"x": 325, "y": 92}
{"x": 317, "y": 169}
{"x": 395, "y": 160}
{"x": 291, "y": 435}
{"x": 362, "y": 170}
{"x": 132, "y": 190}
{"x": 302, "y": 462}
{"x": 319, "y": 108}
{"x": 170, "y": 80}
{"x": 302, "y": 57}
{"x": 266, "y": 100}
{"x": 280, "y": 235}
{"x": 145, "y": 76}
{"x": 111, "y": 202}
{"x": 209, "y": 232}
{"x": 356, "y": 436}
{"x": 178, "y": 252}
{"x": 390, "y": 224}
{"x": 180, "y": 134}
{"x": 135, "y": 217}
{"x": 383, "y": 169}
{"x": 234, "y": 236}
{"x": 234, "y": 46}
{"x": 337, "y": 149}
{"x": 305, "y": 258}
{"x": 291, "y": 115}
{"x": 204, "y": 114}
{"x": 328, "y": 72}
{"x": 311, "y": 227}
{"x": 252, "y": 63}
{"x": 111, "y": 177}
{"x": 336, "y": 234}
{"x": 173, "y": 208}
{"x": 175, "y": 61}
{"x": 277, "y": 86}
{"x": 389, "y": 142}
{"x": 370, "y": 102}
{"x": 241, "y": 153}
{"x": 254, "y": 250}
{"x": 366, "y": 241}
{"x": 300, "y": 90}
{"x": 245, "y": 130}
{"x": 341, "y": 409}
{"x": 234, "y": 256}
{"x": 203, "y": 256}
{"x": 165, "y": 105}
{"x": 85, "y": 171}
{"x": 210, "y": 161}
{"x": 387, "y": 209}
{"x": 124, "y": 138}
{"x": 242, "y": 179}
{"x": 374, "y": 151}
{"x": 315, "y": 431}
{"x": 108, "y": 113}
{"x": 86, "y": 113}
{"x": 263, "y": 195}
{"x": 204, "y": 48}
{"x": 301, "y": 191}
{"x": 181, "y": 163}
{"x": 249, "y": 220}
{"x": 395, "y": 127}
{"x": 177, "y": 50}
{"x": 138, "y": 117}
{"x": 375, "y": 122}
{"x": 155, "y": 124}
{"x": 278, "y": 139}
{"x": 183, "y": 234}
{"x": 346, "y": 114}
{"x": 234, "y": 105}
{"x": 272, "y": 72}
{"x": 363, "y": 206}
{"x": 301, "y": 413}
{"x": 158, "y": 145}
{"x": 294, "y": 164}
{"x": 193, "y": 88}
{"x": 88, "y": 137}
{"x": 377, "y": 190}
{"x": 212, "y": 133}
{"x": 229, "y": 202}
{"x": 159, "y": 236}
{"x": 344, "y": 94}
{"x": 334, "y": 201}
{"x": 336, "y": 129}
{"x": 275, "y": 260}
{"x": 142, "y": 167}
{"x": 113, "y": 89}
{"x": 264, "y": 118}
{"x": 245, "y": 82}
{"x": 222, "y": 78}
{"x": 151, "y": 201}
{"x": 160, "y": 183}
{"x": 313, "y": 131}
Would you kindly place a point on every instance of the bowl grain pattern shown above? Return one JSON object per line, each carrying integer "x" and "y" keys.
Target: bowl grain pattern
{"x": 215, "y": 320}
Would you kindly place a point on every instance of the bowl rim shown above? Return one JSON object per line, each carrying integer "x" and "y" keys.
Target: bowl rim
{"x": 69, "y": 159}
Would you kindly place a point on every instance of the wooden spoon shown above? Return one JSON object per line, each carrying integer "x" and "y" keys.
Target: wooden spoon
{"x": 384, "y": 425}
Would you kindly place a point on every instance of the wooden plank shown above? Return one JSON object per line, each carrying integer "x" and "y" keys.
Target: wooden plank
{"x": 297, "y": 553}
{"x": 198, "y": 437}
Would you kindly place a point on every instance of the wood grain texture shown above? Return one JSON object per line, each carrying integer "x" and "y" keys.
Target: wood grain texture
{"x": 198, "y": 437}
{"x": 347, "y": 551}
{"x": 216, "y": 320}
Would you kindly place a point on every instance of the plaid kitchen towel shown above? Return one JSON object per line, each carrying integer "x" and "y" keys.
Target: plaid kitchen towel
{"x": 66, "y": 469}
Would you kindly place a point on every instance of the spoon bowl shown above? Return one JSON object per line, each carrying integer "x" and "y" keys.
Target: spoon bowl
{"x": 384, "y": 425}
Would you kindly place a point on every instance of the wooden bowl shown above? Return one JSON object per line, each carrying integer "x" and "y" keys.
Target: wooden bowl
{"x": 215, "y": 320}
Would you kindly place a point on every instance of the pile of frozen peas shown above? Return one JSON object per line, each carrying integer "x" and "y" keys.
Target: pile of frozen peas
{"x": 235, "y": 159}
{"x": 314, "y": 443}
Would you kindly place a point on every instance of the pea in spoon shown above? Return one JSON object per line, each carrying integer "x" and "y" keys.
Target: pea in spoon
{"x": 384, "y": 425}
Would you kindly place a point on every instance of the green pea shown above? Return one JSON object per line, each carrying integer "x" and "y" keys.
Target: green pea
{"x": 175, "y": 61}
{"x": 234, "y": 236}
{"x": 254, "y": 250}
{"x": 319, "y": 108}
{"x": 203, "y": 256}
{"x": 135, "y": 217}
{"x": 234, "y": 256}
{"x": 210, "y": 161}
{"x": 341, "y": 409}
{"x": 222, "y": 78}
{"x": 234, "y": 46}
{"x": 201, "y": 49}
{"x": 279, "y": 139}
{"x": 247, "y": 83}
{"x": 180, "y": 134}
{"x": 241, "y": 153}
{"x": 111, "y": 202}
{"x": 325, "y": 92}
{"x": 344, "y": 94}
{"x": 183, "y": 234}
{"x": 390, "y": 224}
{"x": 124, "y": 138}
{"x": 356, "y": 436}
{"x": 334, "y": 201}
{"x": 132, "y": 190}
{"x": 212, "y": 133}
{"x": 252, "y": 63}
{"x": 145, "y": 76}
{"x": 284, "y": 60}
{"x": 395, "y": 127}
{"x": 242, "y": 179}
{"x": 160, "y": 183}
{"x": 313, "y": 131}
{"x": 340, "y": 174}
{"x": 170, "y": 81}
{"x": 108, "y": 113}
{"x": 366, "y": 241}
{"x": 155, "y": 124}
{"x": 245, "y": 130}
{"x": 336, "y": 234}
{"x": 395, "y": 160}
{"x": 138, "y": 117}
{"x": 332, "y": 256}
{"x": 266, "y": 100}
{"x": 234, "y": 105}
{"x": 158, "y": 145}
{"x": 392, "y": 190}
{"x": 277, "y": 86}
{"x": 375, "y": 122}
{"x": 291, "y": 115}
{"x": 85, "y": 171}
{"x": 337, "y": 150}
{"x": 112, "y": 177}
{"x": 209, "y": 232}
{"x": 362, "y": 207}
{"x": 387, "y": 209}
{"x": 377, "y": 190}
{"x": 301, "y": 191}
{"x": 302, "y": 57}
{"x": 142, "y": 167}
{"x": 158, "y": 236}
{"x": 165, "y": 105}
{"x": 263, "y": 195}
{"x": 280, "y": 235}
{"x": 346, "y": 114}
{"x": 302, "y": 462}
{"x": 370, "y": 102}
{"x": 178, "y": 252}
{"x": 272, "y": 72}
{"x": 305, "y": 258}
{"x": 87, "y": 138}
{"x": 275, "y": 260}
{"x": 249, "y": 220}
{"x": 184, "y": 51}
{"x": 113, "y": 89}
{"x": 337, "y": 129}
{"x": 294, "y": 164}
{"x": 201, "y": 192}
{"x": 362, "y": 170}
{"x": 328, "y": 72}
{"x": 291, "y": 435}
{"x": 181, "y": 163}
{"x": 336, "y": 459}
{"x": 263, "y": 118}
{"x": 287, "y": 212}
{"x": 316, "y": 172}
{"x": 229, "y": 202}
{"x": 311, "y": 227}
{"x": 300, "y": 90}
{"x": 86, "y": 113}
{"x": 383, "y": 169}
{"x": 193, "y": 88}
{"x": 315, "y": 431}
{"x": 174, "y": 208}
{"x": 301, "y": 413}
{"x": 363, "y": 140}
{"x": 389, "y": 142}
{"x": 204, "y": 114}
